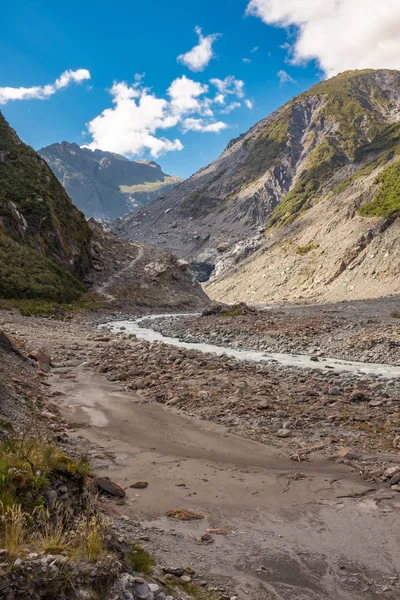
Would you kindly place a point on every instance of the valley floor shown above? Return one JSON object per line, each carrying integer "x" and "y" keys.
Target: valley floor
{"x": 288, "y": 467}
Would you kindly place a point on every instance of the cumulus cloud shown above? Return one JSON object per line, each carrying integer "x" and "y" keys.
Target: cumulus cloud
{"x": 191, "y": 124}
{"x": 338, "y": 34}
{"x": 185, "y": 95}
{"x": 200, "y": 55}
{"x": 285, "y": 77}
{"x": 42, "y": 92}
{"x": 229, "y": 85}
{"x": 249, "y": 104}
{"x": 246, "y": 60}
{"x": 134, "y": 122}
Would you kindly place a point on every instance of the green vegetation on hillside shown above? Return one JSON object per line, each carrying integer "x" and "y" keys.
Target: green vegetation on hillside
{"x": 150, "y": 186}
{"x": 354, "y": 102}
{"x": 322, "y": 162}
{"x": 266, "y": 148}
{"x": 386, "y": 202}
{"x": 44, "y": 239}
{"x": 24, "y": 273}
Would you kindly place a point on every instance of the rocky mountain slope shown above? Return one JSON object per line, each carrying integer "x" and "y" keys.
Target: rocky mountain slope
{"x": 311, "y": 160}
{"x": 105, "y": 185}
{"x": 44, "y": 238}
{"x": 139, "y": 276}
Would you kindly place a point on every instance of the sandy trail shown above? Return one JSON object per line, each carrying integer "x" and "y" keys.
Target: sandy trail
{"x": 294, "y": 538}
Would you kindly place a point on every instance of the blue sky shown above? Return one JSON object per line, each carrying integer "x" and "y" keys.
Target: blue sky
{"x": 40, "y": 40}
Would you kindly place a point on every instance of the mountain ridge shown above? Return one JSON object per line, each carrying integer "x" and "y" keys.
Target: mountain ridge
{"x": 105, "y": 184}
{"x": 275, "y": 172}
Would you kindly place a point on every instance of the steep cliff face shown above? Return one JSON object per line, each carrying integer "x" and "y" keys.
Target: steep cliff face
{"x": 105, "y": 185}
{"x": 44, "y": 239}
{"x": 277, "y": 171}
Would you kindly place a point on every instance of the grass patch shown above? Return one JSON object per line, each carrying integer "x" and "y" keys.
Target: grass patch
{"x": 139, "y": 560}
{"x": 303, "y": 250}
{"x": 151, "y": 186}
{"x": 47, "y": 308}
{"x": 386, "y": 202}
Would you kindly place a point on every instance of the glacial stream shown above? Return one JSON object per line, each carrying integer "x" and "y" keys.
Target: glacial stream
{"x": 301, "y": 361}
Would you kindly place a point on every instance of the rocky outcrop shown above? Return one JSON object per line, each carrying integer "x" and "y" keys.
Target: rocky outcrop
{"x": 105, "y": 185}
{"x": 277, "y": 173}
{"x": 136, "y": 275}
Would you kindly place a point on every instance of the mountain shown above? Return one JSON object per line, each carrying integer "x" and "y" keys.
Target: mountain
{"x": 308, "y": 159}
{"x": 105, "y": 185}
{"x": 44, "y": 238}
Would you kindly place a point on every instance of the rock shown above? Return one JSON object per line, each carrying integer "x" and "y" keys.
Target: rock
{"x": 347, "y": 453}
{"x": 143, "y": 592}
{"x": 106, "y": 485}
{"x": 186, "y": 578}
{"x": 184, "y": 515}
{"x": 395, "y": 488}
{"x": 177, "y": 571}
{"x": 359, "y": 396}
{"x": 391, "y": 471}
{"x": 42, "y": 358}
{"x": 139, "y": 485}
{"x": 283, "y": 433}
{"x": 395, "y": 479}
{"x": 50, "y": 497}
{"x": 396, "y": 442}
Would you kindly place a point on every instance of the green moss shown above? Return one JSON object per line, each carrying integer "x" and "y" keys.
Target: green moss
{"x": 386, "y": 202}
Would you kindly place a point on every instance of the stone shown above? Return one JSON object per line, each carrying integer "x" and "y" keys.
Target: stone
{"x": 186, "y": 578}
{"x": 139, "y": 485}
{"x": 283, "y": 433}
{"x": 358, "y": 396}
{"x": 395, "y": 488}
{"x": 391, "y": 471}
{"x": 50, "y": 497}
{"x": 143, "y": 592}
{"x": 395, "y": 479}
{"x": 42, "y": 358}
{"x": 106, "y": 485}
{"x": 347, "y": 453}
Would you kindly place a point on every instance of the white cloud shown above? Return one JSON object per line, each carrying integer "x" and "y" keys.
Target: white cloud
{"x": 191, "y": 124}
{"x": 132, "y": 125}
{"x": 185, "y": 94}
{"x": 42, "y": 92}
{"x": 338, "y": 34}
{"x": 249, "y": 104}
{"x": 246, "y": 60}
{"x": 230, "y": 107}
{"x": 254, "y": 49}
{"x": 199, "y": 56}
{"x": 285, "y": 77}
{"x": 229, "y": 85}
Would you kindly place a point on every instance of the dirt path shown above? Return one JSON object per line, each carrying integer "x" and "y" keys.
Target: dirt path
{"x": 294, "y": 536}
{"x": 111, "y": 280}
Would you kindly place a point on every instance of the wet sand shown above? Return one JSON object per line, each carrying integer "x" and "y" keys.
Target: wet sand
{"x": 294, "y": 537}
